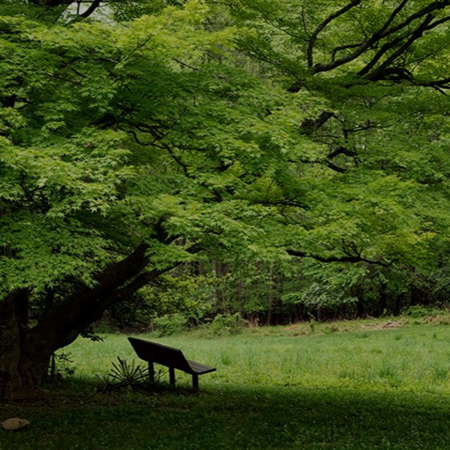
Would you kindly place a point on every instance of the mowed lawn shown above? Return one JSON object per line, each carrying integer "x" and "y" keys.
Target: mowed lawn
{"x": 274, "y": 389}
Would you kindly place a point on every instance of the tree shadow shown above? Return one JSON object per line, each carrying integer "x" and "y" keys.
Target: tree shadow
{"x": 236, "y": 418}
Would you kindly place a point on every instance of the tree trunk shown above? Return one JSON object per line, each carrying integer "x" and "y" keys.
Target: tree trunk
{"x": 25, "y": 352}
{"x": 22, "y": 360}
{"x": 10, "y": 350}
{"x": 270, "y": 298}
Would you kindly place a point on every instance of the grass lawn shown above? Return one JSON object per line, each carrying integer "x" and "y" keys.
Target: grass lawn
{"x": 371, "y": 387}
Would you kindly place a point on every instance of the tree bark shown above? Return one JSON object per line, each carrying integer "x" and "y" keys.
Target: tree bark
{"x": 25, "y": 352}
{"x": 10, "y": 349}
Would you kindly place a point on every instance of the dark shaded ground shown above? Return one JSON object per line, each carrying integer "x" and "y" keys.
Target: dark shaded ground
{"x": 254, "y": 418}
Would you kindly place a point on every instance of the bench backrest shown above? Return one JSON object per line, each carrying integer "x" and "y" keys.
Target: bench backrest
{"x": 161, "y": 354}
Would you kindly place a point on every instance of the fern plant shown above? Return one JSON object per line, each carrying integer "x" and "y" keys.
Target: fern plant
{"x": 124, "y": 374}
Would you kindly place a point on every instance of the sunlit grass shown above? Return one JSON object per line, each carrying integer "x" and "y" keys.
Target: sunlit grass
{"x": 415, "y": 358}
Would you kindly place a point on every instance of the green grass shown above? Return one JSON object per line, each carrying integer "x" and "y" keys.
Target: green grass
{"x": 412, "y": 358}
{"x": 274, "y": 389}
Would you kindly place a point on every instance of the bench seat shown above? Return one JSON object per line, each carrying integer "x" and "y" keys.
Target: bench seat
{"x": 199, "y": 368}
{"x": 170, "y": 357}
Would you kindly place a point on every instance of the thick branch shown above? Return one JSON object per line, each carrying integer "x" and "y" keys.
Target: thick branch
{"x": 322, "y": 25}
{"x": 336, "y": 168}
{"x": 417, "y": 34}
{"x": 65, "y": 322}
{"x": 94, "y": 5}
{"x": 435, "y": 6}
{"x": 308, "y": 126}
{"x": 438, "y": 22}
{"x": 112, "y": 278}
{"x": 95, "y": 312}
{"x": 51, "y": 3}
{"x": 340, "y": 48}
{"x": 385, "y": 48}
{"x": 341, "y": 151}
{"x": 383, "y": 32}
{"x": 443, "y": 83}
{"x": 331, "y": 259}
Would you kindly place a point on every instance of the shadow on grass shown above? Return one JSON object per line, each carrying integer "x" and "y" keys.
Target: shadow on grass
{"x": 231, "y": 418}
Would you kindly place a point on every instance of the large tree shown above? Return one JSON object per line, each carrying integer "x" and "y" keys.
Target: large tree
{"x": 131, "y": 143}
{"x": 126, "y": 148}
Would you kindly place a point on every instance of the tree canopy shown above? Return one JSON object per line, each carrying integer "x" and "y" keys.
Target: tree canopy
{"x": 260, "y": 131}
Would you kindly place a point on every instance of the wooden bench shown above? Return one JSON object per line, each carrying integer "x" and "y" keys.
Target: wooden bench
{"x": 169, "y": 357}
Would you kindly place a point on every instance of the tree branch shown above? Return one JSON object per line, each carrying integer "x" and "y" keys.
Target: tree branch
{"x": 51, "y": 3}
{"x": 341, "y": 151}
{"x": 435, "y": 6}
{"x": 94, "y": 5}
{"x": 322, "y": 25}
{"x": 94, "y": 311}
{"x": 417, "y": 34}
{"x": 308, "y": 126}
{"x": 393, "y": 16}
{"x": 443, "y": 83}
{"x": 331, "y": 259}
{"x": 336, "y": 168}
{"x": 383, "y": 32}
{"x": 386, "y": 47}
{"x": 342, "y": 47}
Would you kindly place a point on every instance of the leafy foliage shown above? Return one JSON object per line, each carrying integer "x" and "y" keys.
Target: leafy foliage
{"x": 169, "y": 324}
{"x": 80, "y": 183}
{"x": 227, "y": 324}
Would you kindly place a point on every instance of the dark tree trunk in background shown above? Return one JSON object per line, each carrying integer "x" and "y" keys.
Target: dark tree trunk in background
{"x": 241, "y": 296}
{"x": 270, "y": 298}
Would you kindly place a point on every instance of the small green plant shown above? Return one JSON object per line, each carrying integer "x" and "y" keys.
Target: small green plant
{"x": 170, "y": 324}
{"x": 124, "y": 374}
{"x": 59, "y": 366}
{"x": 312, "y": 323}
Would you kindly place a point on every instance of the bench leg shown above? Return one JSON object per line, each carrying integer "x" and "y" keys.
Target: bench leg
{"x": 151, "y": 372}
{"x": 195, "y": 381}
{"x": 172, "y": 376}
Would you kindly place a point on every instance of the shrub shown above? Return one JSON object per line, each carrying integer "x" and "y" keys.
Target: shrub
{"x": 228, "y": 324}
{"x": 418, "y": 312}
{"x": 170, "y": 324}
